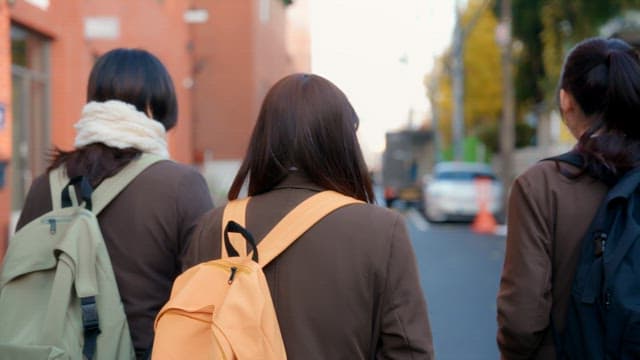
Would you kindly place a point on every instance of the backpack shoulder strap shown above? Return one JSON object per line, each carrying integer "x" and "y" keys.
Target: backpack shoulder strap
{"x": 298, "y": 221}
{"x": 234, "y": 210}
{"x": 58, "y": 179}
{"x": 572, "y": 157}
{"x": 112, "y": 186}
{"x": 626, "y": 186}
{"x": 108, "y": 189}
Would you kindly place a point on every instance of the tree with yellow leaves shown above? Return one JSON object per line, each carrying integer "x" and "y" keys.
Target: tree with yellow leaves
{"x": 482, "y": 78}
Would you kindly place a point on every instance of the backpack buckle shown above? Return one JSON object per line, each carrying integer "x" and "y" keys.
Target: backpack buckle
{"x": 90, "y": 321}
{"x": 90, "y": 326}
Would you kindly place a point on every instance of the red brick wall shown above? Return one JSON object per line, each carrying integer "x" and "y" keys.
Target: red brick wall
{"x": 272, "y": 60}
{"x": 239, "y": 58}
{"x": 224, "y": 77}
{"x": 5, "y": 132}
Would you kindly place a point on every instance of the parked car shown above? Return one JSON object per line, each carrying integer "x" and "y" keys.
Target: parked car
{"x": 454, "y": 191}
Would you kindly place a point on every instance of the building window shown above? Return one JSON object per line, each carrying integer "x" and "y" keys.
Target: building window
{"x": 31, "y": 109}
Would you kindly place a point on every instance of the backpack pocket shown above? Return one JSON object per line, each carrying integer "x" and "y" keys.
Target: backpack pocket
{"x": 33, "y": 352}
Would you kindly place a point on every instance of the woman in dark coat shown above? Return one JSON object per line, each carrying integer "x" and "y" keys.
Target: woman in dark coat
{"x": 348, "y": 288}
{"x": 131, "y": 103}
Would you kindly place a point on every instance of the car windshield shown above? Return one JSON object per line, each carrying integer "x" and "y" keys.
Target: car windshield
{"x": 463, "y": 175}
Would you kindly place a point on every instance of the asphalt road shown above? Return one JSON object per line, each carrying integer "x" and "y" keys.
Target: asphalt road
{"x": 460, "y": 273}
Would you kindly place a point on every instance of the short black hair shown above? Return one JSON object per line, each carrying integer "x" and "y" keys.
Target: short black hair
{"x": 136, "y": 77}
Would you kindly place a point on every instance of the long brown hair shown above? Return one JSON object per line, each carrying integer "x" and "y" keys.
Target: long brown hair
{"x": 133, "y": 76}
{"x": 305, "y": 122}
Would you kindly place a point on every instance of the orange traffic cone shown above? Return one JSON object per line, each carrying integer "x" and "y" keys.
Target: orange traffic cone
{"x": 484, "y": 221}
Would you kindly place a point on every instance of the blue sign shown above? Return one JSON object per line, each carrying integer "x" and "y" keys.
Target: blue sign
{"x": 3, "y": 167}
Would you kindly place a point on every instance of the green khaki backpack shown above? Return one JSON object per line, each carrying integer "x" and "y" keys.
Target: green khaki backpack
{"x": 58, "y": 294}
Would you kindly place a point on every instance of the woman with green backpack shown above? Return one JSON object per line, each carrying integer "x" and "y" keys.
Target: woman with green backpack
{"x": 131, "y": 104}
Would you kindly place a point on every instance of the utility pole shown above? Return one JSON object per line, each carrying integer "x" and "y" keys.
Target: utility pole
{"x": 457, "y": 74}
{"x": 432, "y": 90}
{"x": 507, "y": 128}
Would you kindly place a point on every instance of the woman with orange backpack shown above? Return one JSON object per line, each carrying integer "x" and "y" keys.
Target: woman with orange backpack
{"x": 348, "y": 287}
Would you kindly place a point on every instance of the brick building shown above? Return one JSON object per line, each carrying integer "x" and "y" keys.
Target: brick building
{"x": 222, "y": 56}
{"x": 232, "y": 76}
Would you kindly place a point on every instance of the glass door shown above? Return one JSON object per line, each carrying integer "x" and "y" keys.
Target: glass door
{"x": 31, "y": 109}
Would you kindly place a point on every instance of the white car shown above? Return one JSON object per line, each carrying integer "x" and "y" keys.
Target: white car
{"x": 456, "y": 191}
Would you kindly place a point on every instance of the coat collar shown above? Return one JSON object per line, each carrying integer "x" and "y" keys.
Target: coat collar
{"x": 298, "y": 180}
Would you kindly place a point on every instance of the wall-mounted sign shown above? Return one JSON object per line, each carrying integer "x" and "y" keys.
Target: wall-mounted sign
{"x": 42, "y": 4}
{"x": 102, "y": 27}
{"x": 196, "y": 16}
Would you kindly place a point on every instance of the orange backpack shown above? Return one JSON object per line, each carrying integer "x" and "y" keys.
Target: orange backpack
{"x": 222, "y": 309}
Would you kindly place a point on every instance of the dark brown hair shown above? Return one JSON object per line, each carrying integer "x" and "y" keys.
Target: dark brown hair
{"x": 133, "y": 76}
{"x": 305, "y": 122}
{"x": 603, "y": 75}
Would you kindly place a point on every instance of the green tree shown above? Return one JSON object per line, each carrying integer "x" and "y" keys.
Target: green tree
{"x": 529, "y": 65}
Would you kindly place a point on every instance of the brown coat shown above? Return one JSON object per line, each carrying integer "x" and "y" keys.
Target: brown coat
{"x": 548, "y": 216}
{"x": 352, "y": 268}
{"x": 145, "y": 229}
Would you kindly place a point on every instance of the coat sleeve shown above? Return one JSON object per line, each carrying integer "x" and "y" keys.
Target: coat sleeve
{"x": 37, "y": 202}
{"x": 405, "y": 332}
{"x": 204, "y": 243}
{"x": 524, "y": 298}
{"x": 194, "y": 201}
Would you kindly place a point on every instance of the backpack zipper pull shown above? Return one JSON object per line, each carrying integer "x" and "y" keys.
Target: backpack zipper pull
{"x": 601, "y": 243}
{"x": 233, "y": 274}
{"x": 52, "y": 226}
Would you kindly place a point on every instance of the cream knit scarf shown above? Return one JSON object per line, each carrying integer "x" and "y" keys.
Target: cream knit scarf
{"x": 120, "y": 125}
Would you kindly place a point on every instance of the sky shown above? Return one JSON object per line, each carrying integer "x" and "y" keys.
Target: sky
{"x": 378, "y": 53}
